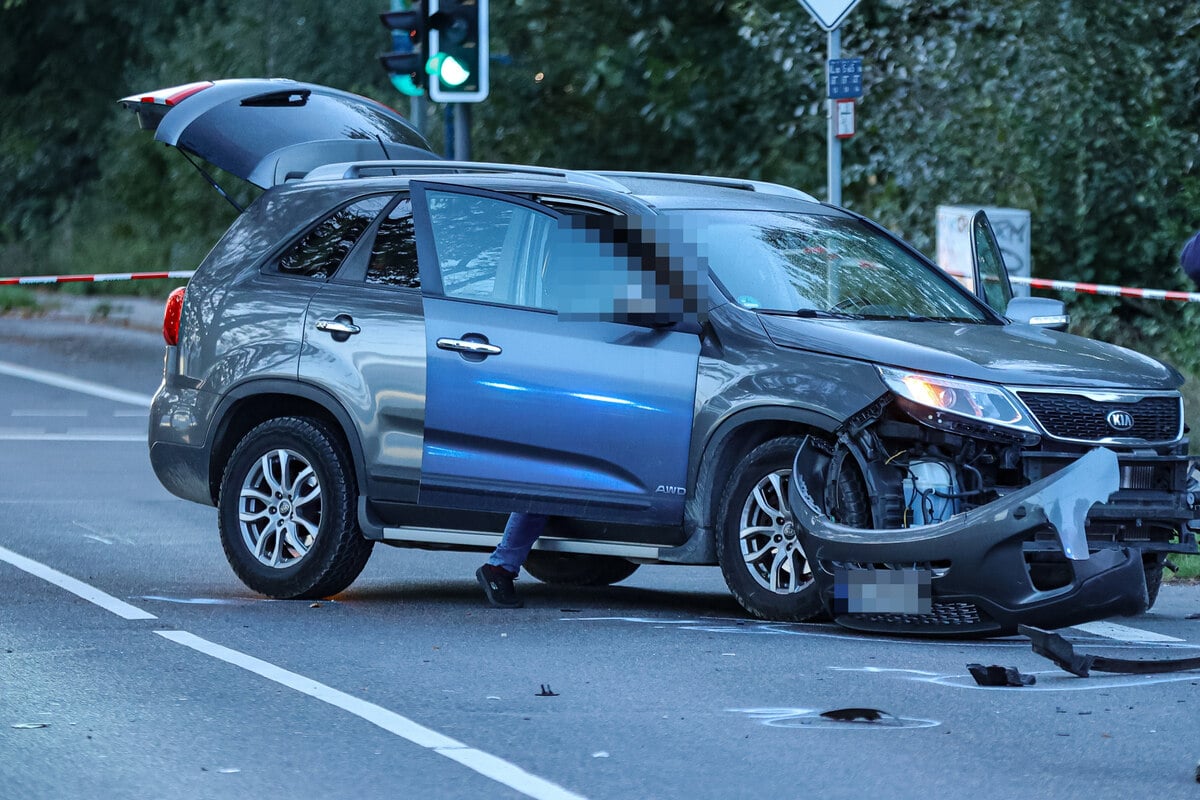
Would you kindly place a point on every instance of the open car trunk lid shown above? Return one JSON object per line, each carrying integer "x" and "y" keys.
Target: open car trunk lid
{"x": 266, "y": 131}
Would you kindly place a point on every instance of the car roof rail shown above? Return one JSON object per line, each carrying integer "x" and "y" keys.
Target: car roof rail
{"x": 368, "y": 169}
{"x": 762, "y": 187}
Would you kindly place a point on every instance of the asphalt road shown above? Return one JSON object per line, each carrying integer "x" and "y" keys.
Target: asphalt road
{"x": 133, "y": 663}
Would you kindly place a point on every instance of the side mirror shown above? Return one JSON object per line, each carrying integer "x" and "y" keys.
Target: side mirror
{"x": 1040, "y": 312}
{"x": 987, "y": 265}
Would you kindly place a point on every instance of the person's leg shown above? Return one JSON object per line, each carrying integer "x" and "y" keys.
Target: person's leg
{"x": 496, "y": 576}
{"x": 520, "y": 533}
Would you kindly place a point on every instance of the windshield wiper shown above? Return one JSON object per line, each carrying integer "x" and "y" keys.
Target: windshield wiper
{"x": 907, "y": 317}
{"x": 819, "y": 313}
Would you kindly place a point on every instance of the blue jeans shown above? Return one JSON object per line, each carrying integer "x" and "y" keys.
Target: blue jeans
{"x": 520, "y": 533}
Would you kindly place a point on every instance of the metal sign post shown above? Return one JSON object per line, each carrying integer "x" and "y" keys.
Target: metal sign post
{"x": 830, "y": 14}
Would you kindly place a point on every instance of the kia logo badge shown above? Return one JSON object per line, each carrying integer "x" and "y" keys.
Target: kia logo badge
{"x": 1119, "y": 420}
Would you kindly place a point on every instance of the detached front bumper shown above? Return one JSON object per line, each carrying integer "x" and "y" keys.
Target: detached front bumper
{"x": 974, "y": 565}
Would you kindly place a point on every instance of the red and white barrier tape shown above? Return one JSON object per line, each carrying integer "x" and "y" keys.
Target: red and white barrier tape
{"x": 1100, "y": 288}
{"x": 1037, "y": 283}
{"x": 111, "y": 276}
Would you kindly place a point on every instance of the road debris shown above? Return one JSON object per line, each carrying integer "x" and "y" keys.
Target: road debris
{"x": 996, "y": 675}
{"x": 1061, "y": 652}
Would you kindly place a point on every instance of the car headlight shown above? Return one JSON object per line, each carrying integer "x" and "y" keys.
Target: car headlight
{"x": 976, "y": 401}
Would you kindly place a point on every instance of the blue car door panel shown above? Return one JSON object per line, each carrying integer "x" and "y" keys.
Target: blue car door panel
{"x": 529, "y": 411}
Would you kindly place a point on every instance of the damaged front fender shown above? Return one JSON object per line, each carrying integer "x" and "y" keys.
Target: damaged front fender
{"x": 974, "y": 564}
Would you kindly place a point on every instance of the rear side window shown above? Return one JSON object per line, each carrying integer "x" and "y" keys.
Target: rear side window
{"x": 319, "y": 252}
{"x": 394, "y": 252}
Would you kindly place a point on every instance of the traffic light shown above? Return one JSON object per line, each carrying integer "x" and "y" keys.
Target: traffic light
{"x": 406, "y": 62}
{"x": 458, "y": 48}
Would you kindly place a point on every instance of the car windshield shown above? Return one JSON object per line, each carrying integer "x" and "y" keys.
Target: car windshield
{"x": 821, "y": 266}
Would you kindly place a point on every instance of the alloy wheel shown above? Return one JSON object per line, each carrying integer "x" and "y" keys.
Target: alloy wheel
{"x": 279, "y": 508}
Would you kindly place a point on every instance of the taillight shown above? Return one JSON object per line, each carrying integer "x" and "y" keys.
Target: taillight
{"x": 171, "y": 316}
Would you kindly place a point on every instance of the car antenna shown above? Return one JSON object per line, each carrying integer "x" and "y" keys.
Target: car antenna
{"x": 383, "y": 147}
{"x": 212, "y": 182}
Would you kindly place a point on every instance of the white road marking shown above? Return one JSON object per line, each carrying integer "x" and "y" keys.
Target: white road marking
{"x": 99, "y": 536}
{"x": 74, "y": 586}
{"x": 485, "y": 764}
{"x": 37, "y": 436}
{"x": 1123, "y": 633}
{"x": 75, "y": 384}
{"x": 49, "y": 412}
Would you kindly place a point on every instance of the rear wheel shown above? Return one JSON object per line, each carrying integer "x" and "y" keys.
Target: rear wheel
{"x": 578, "y": 569}
{"x": 288, "y": 511}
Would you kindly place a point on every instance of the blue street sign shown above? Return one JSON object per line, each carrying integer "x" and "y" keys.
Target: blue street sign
{"x": 845, "y": 78}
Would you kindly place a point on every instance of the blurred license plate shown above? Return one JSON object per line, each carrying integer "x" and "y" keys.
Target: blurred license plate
{"x": 882, "y": 591}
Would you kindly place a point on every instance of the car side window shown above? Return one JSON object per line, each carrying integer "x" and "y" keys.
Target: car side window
{"x": 489, "y": 249}
{"x": 394, "y": 252}
{"x": 318, "y": 253}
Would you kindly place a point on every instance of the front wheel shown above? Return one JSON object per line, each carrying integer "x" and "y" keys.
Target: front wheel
{"x": 758, "y": 545}
{"x": 287, "y": 511}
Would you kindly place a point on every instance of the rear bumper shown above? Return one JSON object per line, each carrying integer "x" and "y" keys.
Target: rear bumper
{"x": 982, "y": 583}
{"x": 182, "y": 470}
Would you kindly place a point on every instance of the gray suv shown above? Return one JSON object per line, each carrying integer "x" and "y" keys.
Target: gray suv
{"x": 385, "y": 347}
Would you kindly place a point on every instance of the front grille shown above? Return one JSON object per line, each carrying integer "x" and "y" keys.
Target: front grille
{"x": 1073, "y": 416}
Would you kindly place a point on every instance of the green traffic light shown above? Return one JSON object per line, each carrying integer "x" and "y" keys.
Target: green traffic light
{"x": 451, "y": 71}
{"x": 448, "y": 69}
{"x": 405, "y": 85}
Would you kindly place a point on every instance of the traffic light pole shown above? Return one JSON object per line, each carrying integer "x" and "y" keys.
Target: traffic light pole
{"x": 416, "y": 112}
{"x": 462, "y": 131}
{"x": 834, "y": 191}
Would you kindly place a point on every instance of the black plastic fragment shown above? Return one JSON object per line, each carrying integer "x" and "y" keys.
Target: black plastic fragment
{"x": 871, "y": 716}
{"x": 1061, "y": 652}
{"x": 996, "y": 675}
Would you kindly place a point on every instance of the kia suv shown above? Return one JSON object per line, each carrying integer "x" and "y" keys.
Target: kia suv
{"x": 389, "y": 348}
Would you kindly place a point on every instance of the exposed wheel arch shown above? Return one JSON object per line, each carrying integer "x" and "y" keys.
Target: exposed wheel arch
{"x": 251, "y": 403}
{"x": 731, "y": 441}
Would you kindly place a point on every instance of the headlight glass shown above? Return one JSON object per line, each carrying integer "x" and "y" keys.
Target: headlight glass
{"x": 978, "y": 401}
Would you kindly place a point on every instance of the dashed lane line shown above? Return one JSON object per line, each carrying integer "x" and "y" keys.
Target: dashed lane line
{"x": 1123, "y": 633}
{"x": 38, "y": 436}
{"x": 486, "y": 764}
{"x": 74, "y": 586}
{"x": 75, "y": 384}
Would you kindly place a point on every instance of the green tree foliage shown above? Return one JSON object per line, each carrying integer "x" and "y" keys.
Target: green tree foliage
{"x": 1085, "y": 113}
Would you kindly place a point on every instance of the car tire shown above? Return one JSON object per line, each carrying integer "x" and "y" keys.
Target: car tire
{"x": 1154, "y": 565}
{"x": 578, "y": 569}
{"x": 287, "y": 511}
{"x": 757, "y": 545}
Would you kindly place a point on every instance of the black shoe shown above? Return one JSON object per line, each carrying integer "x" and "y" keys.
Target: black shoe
{"x": 497, "y": 583}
